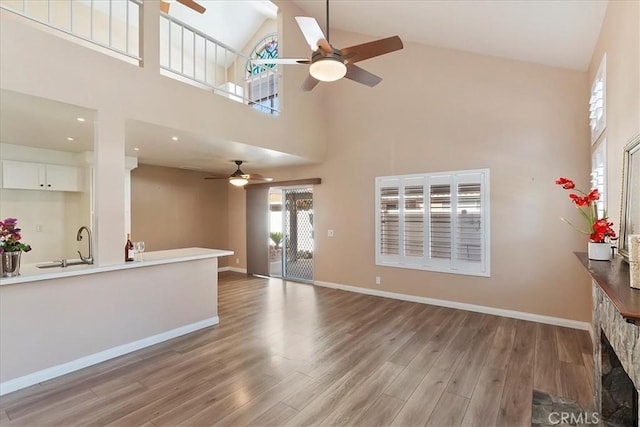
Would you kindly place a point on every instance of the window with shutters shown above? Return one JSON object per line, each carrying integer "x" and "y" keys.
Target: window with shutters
{"x": 597, "y": 102}
{"x": 434, "y": 221}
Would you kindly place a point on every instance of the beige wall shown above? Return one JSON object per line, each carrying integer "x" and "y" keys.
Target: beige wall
{"x": 176, "y": 208}
{"x": 439, "y": 110}
{"x": 620, "y": 40}
{"x": 237, "y": 230}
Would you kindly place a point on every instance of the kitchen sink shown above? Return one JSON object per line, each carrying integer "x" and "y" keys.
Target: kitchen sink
{"x": 58, "y": 264}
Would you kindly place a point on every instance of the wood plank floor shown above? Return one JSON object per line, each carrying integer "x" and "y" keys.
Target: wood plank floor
{"x": 291, "y": 354}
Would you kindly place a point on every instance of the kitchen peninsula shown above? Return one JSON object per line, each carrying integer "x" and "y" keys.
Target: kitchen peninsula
{"x": 58, "y": 320}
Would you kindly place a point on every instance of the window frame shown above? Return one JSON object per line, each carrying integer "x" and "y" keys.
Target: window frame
{"x": 426, "y": 262}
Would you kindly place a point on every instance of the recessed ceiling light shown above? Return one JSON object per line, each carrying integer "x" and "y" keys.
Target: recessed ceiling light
{"x": 80, "y": 119}
{"x": 70, "y": 138}
{"x": 174, "y": 138}
{"x": 136, "y": 149}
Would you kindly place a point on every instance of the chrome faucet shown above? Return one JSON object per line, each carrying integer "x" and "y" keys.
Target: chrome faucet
{"x": 89, "y": 259}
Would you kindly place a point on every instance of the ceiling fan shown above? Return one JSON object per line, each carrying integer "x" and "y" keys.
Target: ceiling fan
{"x": 239, "y": 178}
{"x": 327, "y": 63}
{"x": 164, "y": 5}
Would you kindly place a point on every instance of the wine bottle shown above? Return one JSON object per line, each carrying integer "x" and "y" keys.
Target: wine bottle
{"x": 128, "y": 249}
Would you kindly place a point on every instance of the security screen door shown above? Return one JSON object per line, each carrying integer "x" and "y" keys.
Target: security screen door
{"x": 297, "y": 241}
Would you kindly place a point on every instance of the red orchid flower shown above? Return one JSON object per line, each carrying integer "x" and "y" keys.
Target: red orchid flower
{"x": 567, "y": 184}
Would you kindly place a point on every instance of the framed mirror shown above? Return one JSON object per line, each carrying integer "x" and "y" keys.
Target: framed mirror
{"x": 630, "y": 215}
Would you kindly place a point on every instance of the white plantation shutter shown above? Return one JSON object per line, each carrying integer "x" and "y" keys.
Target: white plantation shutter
{"x": 599, "y": 175}
{"x": 469, "y": 220}
{"x": 597, "y": 102}
{"x": 434, "y": 222}
{"x": 413, "y": 237}
{"x": 389, "y": 224}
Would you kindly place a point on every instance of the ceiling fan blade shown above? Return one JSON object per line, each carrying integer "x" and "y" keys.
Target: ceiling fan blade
{"x": 257, "y": 177}
{"x": 368, "y": 50}
{"x": 193, "y": 5}
{"x": 216, "y": 177}
{"x": 286, "y": 61}
{"x": 256, "y": 180}
{"x": 361, "y": 75}
{"x": 309, "y": 83}
{"x": 313, "y": 33}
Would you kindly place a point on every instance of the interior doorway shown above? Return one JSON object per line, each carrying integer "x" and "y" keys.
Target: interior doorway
{"x": 291, "y": 248}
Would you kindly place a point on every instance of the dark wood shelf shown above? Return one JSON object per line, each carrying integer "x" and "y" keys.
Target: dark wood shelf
{"x": 613, "y": 278}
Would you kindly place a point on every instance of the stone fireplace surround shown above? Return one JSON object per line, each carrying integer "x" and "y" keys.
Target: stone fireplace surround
{"x": 621, "y": 331}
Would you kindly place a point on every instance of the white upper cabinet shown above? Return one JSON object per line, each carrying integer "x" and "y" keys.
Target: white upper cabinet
{"x": 39, "y": 176}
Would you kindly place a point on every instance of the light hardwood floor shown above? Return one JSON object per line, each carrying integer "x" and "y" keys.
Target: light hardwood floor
{"x": 297, "y": 355}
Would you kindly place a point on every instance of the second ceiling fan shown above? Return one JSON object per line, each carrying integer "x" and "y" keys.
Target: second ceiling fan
{"x": 239, "y": 178}
{"x": 328, "y": 63}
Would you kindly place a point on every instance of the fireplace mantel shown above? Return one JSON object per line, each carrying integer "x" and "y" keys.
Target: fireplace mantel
{"x": 613, "y": 278}
{"x": 616, "y": 341}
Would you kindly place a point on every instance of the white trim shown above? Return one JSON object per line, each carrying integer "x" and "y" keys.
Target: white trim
{"x": 92, "y": 359}
{"x": 235, "y": 269}
{"x": 557, "y": 321}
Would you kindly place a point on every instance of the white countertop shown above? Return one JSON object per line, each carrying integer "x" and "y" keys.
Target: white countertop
{"x": 31, "y": 273}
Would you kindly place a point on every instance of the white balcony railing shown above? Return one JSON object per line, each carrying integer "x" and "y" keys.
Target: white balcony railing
{"x": 111, "y": 24}
{"x": 185, "y": 52}
{"x": 192, "y": 55}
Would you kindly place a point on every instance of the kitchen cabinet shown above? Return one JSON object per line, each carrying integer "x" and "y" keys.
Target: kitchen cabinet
{"x": 41, "y": 176}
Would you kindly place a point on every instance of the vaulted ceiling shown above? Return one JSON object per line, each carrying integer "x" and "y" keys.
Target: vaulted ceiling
{"x": 560, "y": 33}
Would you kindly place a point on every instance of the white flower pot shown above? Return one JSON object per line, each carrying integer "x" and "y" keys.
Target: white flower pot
{"x": 600, "y": 251}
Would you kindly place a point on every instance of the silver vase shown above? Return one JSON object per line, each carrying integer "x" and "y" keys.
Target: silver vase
{"x": 10, "y": 265}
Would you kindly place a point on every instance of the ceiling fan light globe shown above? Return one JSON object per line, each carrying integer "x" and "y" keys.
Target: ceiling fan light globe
{"x": 328, "y": 70}
{"x": 238, "y": 181}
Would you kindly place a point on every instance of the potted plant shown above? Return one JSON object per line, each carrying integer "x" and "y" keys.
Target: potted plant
{"x": 598, "y": 229}
{"x": 11, "y": 247}
{"x": 276, "y": 238}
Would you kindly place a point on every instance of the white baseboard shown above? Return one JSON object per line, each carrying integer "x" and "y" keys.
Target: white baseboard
{"x": 235, "y": 269}
{"x": 558, "y": 321}
{"x": 92, "y": 359}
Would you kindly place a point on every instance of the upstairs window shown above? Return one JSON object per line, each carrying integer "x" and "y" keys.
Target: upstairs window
{"x": 262, "y": 79}
{"x": 597, "y": 102}
{"x": 434, "y": 221}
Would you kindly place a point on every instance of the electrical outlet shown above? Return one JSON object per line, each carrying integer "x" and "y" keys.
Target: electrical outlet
{"x": 378, "y": 280}
{"x": 38, "y": 228}
{"x": 237, "y": 260}
{"x": 330, "y": 233}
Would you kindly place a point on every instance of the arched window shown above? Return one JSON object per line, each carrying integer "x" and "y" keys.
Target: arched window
{"x": 262, "y": 79}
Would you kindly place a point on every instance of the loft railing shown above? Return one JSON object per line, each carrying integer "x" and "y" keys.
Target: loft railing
{"x": 193, "y": 55}
{"x": 111, "y": 24}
